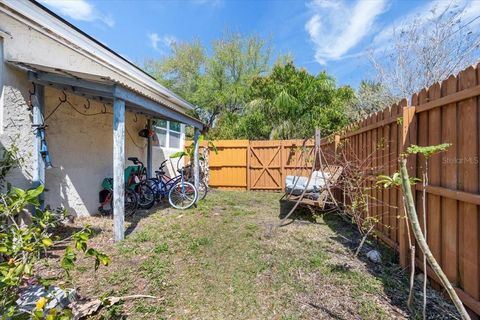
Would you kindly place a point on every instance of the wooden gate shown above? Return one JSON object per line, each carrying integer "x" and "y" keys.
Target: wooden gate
{"x": 258, "y": 165}
{"x": 266, "y": 165}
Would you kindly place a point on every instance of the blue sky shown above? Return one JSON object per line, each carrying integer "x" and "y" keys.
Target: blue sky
{"x": 331, "y": 35}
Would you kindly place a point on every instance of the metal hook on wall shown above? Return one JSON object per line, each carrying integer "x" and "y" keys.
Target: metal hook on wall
{"x": 104, "y": 108}
{"x": 32, "y": 93}
{"x": 64, "y": 97}
{"x": 87, "y": 106}
{"x": 136, "y": 118}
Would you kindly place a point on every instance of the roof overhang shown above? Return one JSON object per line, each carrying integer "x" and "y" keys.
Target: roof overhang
{"x": 34, "y": 33}
{"x": 105, "y": 89}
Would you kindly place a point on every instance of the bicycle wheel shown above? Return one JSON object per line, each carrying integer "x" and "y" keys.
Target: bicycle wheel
{"x": 145, "y": 194}
{"x": 202, "y": 189}
{"x": 131, "y": 203}
{"x": 155, "y": 184}
{"x": 182, "y": 195}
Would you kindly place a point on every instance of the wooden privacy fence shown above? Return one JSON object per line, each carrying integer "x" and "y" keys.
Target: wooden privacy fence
{"x": 258, "y": 165}
{"x": 446, "y": 112}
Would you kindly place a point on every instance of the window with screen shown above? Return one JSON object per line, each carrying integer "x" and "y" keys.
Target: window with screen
{"x": 169, "y": 133}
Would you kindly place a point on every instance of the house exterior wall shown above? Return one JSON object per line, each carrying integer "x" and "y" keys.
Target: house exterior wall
{"x": 80, "y": 146}
{"x": 81, "y": 150}
{"x": 16, "y": 123}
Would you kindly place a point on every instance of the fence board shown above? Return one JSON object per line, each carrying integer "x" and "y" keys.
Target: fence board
{"x": 468, "y": 181}
{"x": 446, "y": 112}
{"x": 449, "y": 180}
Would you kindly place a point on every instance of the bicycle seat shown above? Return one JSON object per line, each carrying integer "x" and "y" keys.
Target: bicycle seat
{"x": 133, "y": 159}
{"x": 181, "y": 170}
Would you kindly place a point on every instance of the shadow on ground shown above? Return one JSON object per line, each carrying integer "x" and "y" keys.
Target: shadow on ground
{"x": 389, "y": 272}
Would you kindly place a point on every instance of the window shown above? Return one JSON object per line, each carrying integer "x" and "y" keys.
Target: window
{"x": 169, "y": 133}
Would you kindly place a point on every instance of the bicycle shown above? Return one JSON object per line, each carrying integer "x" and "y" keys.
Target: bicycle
{"x": 135, "y": 177}
{"x": 181, "y": 193}
{"x": 202, "y": 186}
{"x": 106, "y": 199}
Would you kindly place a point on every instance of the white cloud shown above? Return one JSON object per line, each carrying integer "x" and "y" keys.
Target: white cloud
{"x": 79, "y": 10}
{"x": 336, "y": 27}
{"x": 161, "y": 43}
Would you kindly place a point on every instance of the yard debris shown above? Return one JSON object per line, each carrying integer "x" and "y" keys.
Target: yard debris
{"x": 374, "y": 256}
{"x": 88, "y": 308}
{"x": 420, "y": 277}
{"x": 56, "y": 298}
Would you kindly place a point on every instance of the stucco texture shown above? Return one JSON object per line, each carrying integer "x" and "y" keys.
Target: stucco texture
{"x": 16, "y": 124}
{"x": 82, "y": 152}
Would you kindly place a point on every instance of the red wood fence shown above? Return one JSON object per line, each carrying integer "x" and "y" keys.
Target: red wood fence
{"x": 446, "y": 112}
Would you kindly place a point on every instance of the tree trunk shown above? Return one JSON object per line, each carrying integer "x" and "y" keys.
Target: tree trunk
{"x": 422, "y": 243}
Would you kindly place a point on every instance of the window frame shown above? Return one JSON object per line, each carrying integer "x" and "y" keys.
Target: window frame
{"x": 167, "y": 135}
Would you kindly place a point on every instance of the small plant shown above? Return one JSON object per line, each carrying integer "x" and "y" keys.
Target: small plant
{"x": 426, "y": 151}
{"x": 22, "y": 245}
{"x": 403, "y": 180}
{"x": 189, "y": 150}
{"x": 25, "y": 238}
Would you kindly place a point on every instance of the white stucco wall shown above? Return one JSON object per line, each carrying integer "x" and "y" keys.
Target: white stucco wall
{"x": 80, "y": 146}
{"x": 16, "y": 123}
{"x": 82, "y": 152}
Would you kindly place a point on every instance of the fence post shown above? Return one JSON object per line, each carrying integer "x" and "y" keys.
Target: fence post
{"x": 282, "y": 166}
{"x": 336, "y": 142}
{"x": 408, "y": 137}
{"x": 248, "y": 166}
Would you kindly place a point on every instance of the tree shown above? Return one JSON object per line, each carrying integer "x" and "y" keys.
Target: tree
{"x": 370, "y": 98}
{"x": 290, "y": 103}
{"x": 428, "y": 49}
{"x": 219, "y": 83}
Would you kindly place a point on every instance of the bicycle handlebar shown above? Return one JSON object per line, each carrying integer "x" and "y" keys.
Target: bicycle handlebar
{"x": 135, "y": 161}
{"x": 162, "y": 164}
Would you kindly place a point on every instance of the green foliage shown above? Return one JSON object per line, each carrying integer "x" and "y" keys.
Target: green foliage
{"x": 21, "y": 245}
{"x": 218, "y": 82}
{"x": 290, "y": 103}
{"x": 10, "y": 159}
{"x": 24, "y": 237}
{"x": 394, "y": 181}
{"x": 240, "y": 96}
{"x": 428, "y": 150}
{"x": 189, "y": 150}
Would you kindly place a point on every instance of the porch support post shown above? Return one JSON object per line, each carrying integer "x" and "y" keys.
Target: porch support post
{"x": 38, "y": 106}
{"x": 118, "y": 168}
{"x": 149, "y": 151}
{"x": 196, "y": 162}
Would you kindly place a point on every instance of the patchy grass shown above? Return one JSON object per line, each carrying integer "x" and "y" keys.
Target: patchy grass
{"x": 226, "y": 260}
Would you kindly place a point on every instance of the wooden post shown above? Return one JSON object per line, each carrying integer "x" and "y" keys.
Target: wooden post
{"x": 38, "y": 104}
{"x": 248, "y": 166}
{"x": 282, "y": 165}
{"x": 196, "y": 163}
{"x": 149, "y": 151}
{"x": 317, "y": 147}
{"x": 408, "y": 137}
{"x": 336, "y": 142}
{"x": 118, "y": 168}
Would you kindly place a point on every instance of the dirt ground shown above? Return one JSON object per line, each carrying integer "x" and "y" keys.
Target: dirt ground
{"x": 226, "y": 259}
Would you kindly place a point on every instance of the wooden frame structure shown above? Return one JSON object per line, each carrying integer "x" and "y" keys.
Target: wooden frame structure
{"x": 334, "y": 173}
